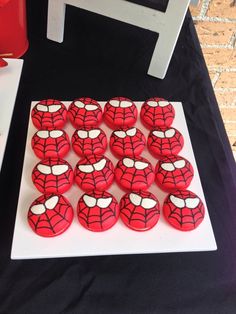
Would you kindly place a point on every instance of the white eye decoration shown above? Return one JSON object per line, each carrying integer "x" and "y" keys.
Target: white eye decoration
{"x": 80, "y": 104}
{"x": 49, "y": 204}
{"x": 146, "y": 203}
{"x": 159, "y": 134}
{"x": 152, "y": 103}
{"x": 139, "y": 165}
{"x": 188, "y": 202}
{"x": 100, "y": 202}
{"x": 163, "y": 103}
{"x": 168, "y": 166}
{"x": 56, "y": 170}
{"x": 88, "y": 134}
{"x": 55, "y": 133}
{"x": 123, "y": 134}
{"x": 169, "y": 133}
{"x": 43, "y": 134}
{"x": 51, "y": 108}
{"x": 90, "y": 168}
{"x": 123, "y": 103}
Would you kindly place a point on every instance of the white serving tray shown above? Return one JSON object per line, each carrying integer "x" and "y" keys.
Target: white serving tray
{"x": 9, "y": 81}
{"x": 77, "y": 241}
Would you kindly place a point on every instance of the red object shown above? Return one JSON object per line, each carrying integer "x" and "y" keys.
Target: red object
{"x": 94, "y": 173}
{"x": 97, "y": 211}
{"x": 183, "y": 210}
{"x": 3, "y": 63}
{"x": 120, "y": 112}
{"x": 49, "y": 114}
{"x": 53, "y": 175}
{"x": 157, "y": 112}
{"x": 50, "y": 215}
{"x": 174, "y": 173}
{"x": 127, "y": 142}
{"x": 134, "y": 174}
{"x": 139, "y": 211}
{"x": 13, "y": 28}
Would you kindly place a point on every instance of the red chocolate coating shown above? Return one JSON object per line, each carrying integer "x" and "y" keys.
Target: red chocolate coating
{"x": 46, "y": 144}
{"x": 183, "y": 210}
{"x": 165, "y": 142}
{"x": 89, "y": 142}
{"x": 134, "y": 174}
{"x": 94, "y": 173}
{"x": 50, "y": 215}
{"x": 52, "y": 175}
{"x": 127, "y": 142}
{"x": 85, "y": 112}
{"x": 139, "y": 211}
{"x": 49, "y": 114}
{"x": 120, "y": 112}
{"x": 157, "y": 112}
{"x": 174, "y": 173}
{"x": 97, "y": 211}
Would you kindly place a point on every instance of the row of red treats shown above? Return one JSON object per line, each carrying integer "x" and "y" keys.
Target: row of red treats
{"x": 118, "y": 112}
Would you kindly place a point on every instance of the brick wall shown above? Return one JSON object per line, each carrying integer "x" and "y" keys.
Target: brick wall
{"x": 215, "y": 22}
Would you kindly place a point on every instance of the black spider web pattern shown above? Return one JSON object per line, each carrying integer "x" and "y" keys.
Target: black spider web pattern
{"x": 89, "y": 146}
{"x": 50, "y": 147}
{"x": 165, "y": 146}
{"x": 53, "y": 221}
{"x": 134, "y": 179}
{"x": 98, "y": 179}
{"x": 120, "y": 116}
{"x": 49, "y": 183}
{"x": 132, "y": 214}
{"x": 49, "y": 120}
{"x": 178, "y": 178}
{"x": 157, "y": 116}
{"x": 129, "y": 146}
{"x": 96, "y": 217}
{"x": 81, "y": 116}
{"x": 184, "y": 216}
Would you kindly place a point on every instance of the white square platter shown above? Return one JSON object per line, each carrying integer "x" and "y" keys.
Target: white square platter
{"x": 77, "y": 241}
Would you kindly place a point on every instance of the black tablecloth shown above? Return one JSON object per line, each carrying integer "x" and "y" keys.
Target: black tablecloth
{"x": 102, "y": 58}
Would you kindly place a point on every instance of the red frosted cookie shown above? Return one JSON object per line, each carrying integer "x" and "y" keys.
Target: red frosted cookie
{"x": 134, "y": 174}
{"x": 157, "y": 112}
{"x": 53, "y": 143}
{"x": 49, "y": 114}
{"x": 94, "y": 173}
{"x": 140, "y": 211}
{"x": 97, "y": 211}
{"x": 50, "y": 215}
{"x": 85, "y": 112}
{"x": 183, "y": 210}
{"x": 120, "y": 112}
{"x": 89, "y": 142}
{"x": 52, "y": 175}
{"x": 174, "y": 173}
{"x": 165, "y": 141}
{"x": 127, "y": 142}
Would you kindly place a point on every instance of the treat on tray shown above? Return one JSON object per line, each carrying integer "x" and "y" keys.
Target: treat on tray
{"x": 53, "y": 143}
{"x": 89, "y": 142}
{"x": 183, "y": 210}
{"x": 157, "y": 112}
{"x": 94, "y": 172}
{"x": 127, "y": 142}
{"x": 165, "y": 141}
{"x": 120, "y": 112}
{"x": 53, "y": 175}
{"x": 50, "y": 215}
{"x": 134, "y": 174}
{"x": 85, "y": 112}
{"x": 97, "y": 211}
{"x": 49, "y": 114}
{"x": 139, "y": 211}
{"x": 173, "y": 173}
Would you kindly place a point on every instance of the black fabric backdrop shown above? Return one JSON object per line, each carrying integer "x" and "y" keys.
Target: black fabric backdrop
{"x": 103, "y": 58}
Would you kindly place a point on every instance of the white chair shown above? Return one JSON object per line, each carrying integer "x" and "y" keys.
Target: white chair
{"x": 168, "y": 24}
